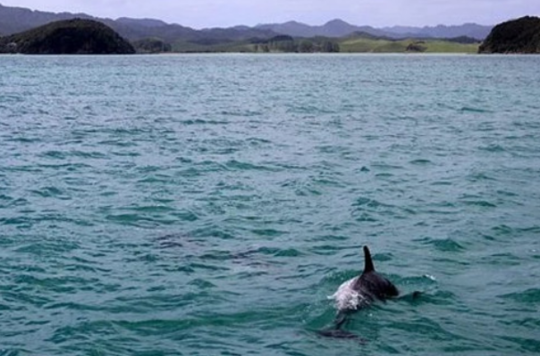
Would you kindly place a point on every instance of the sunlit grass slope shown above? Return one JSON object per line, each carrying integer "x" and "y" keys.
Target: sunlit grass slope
{"x": 377, "y": 45}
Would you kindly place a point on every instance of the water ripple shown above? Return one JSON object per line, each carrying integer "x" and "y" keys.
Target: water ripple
{"x": 213, "y": 210}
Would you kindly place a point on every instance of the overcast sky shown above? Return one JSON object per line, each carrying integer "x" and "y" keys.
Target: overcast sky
{"x": 222, "y": 13}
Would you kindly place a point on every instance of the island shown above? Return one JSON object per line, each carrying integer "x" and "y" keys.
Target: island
{"x": 516, "y": 36}
{"x": 76, "y": 36}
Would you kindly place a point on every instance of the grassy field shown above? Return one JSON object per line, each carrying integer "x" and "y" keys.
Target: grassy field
{"x": 347, "y": 45}
{"x": 372, "y": 45}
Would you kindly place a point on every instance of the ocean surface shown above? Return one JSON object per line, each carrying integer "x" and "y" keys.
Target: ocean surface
{"x": 209, "y": 204}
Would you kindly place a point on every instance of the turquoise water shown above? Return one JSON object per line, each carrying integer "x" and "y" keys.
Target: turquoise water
{"x": 209, "y": 204}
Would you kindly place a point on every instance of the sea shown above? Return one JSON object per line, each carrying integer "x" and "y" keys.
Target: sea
{"x": 209, "y": 204}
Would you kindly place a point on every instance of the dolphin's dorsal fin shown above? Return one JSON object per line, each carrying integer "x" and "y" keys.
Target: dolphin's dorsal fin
{"x": 368, "y": 262}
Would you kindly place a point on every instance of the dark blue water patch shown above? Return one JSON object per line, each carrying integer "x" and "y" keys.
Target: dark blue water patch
{"x": 424, "y": 325}
{"x": 176, "y": 240}
{"x": 80, "y": 332}
{"x": 140, "y": 220}
{"x": 151, "y": 209}
{"x": 507, "y": 193}
{"x": 190, "y": 122}
{"x": 369, "y": 203}
{"x": 495, "y": 148}
{"x": 25, "y": 296}
{"x": 212, "y": 231}
{"x": 23, "y": 169}
{"x": 20, "y": 222}
{"x": 13, "y": 352}
{"x": 479, "y": 203}
{"x": 5, "y": 199}
{"x": 364, "y": 169}
{"x": 385, "y": 175}
{"x": 529, "y": 297}
{"x": 529, "y": 322}
{"x": 55, "y": 155}
{"x": 329, "y": 238}
{"x": 278, "y": 252}
{"x": 421, "y": 162}
{"x": 502, "y": 259}
{"x": 51, "y": 192}
{"x": 364, "y": 217}
{"x": 327, "y": 250}
{"x": 268, "y": 232}
{"x": 237, "y": 165}
{"x": 476, "y": 110}
{"x": 328, "y": 182}
{"x": 308, "y": 111}
{"x": 206, "y": 166}
{"x": 443, "y": 245}
{"x": 130, "y": 154}
{"x": 503, "y": 231}
{"x": 118, "y": 143}
{"x": 185, "y": 215}
{"x": 201, "y": 284}
{"x": 155, "y": 179}
{"x": 385, "y": 167}
{"x": 24, "y": 139}
{"x": 480, "y": 177}
{"x": 69, "y": 167}
{"x": 243, "y": 113}
{"x": 524, "y": 344}
{"x": 40, "y": 248}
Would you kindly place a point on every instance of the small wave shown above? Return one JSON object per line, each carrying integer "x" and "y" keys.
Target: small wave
{"x": 386, "y": 167}
{"x": 421, "y": 162}
{"x": 139, "y": 220}
{"x": 278, "y": 252}
{"x": 203, "y": 122}
{"x": 480, "y": 203}
{"x": 444, "y": 245}
{"x": 478, "y": 177}
{"x": 152, "y": 209}
{"x": 237, "y": 165}
{"x": 54, "y": 154}
{"x": 368, "y": 202}
{"x": 212, "y": 231}
{"x": 528, "y": 297}
{"x": 267, "y": 232}
{"x": 503, "y": 230}
{"x": 244, "y": 113}
{"x": 471, "y": 109}
{"x": 493, "y": 148}
{"x": 51, "y": 192}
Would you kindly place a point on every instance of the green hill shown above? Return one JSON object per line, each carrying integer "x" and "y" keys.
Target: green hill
{"x": 76, "y": 36}
{"x": 362, "y": 43}
{"x": 516, "y": 36}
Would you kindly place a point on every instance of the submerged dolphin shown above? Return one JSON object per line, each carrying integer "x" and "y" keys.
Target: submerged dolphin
{"x": 357, "y": 293}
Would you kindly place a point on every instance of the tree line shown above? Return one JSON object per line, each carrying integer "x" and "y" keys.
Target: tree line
{"x": 288, "y": 44}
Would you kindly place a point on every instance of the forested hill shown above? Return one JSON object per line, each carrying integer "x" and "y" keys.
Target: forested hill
{"x": 515, "y": 36}
{"x": 78, "y": 36}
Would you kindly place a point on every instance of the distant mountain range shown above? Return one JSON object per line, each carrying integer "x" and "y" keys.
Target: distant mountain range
{"x": 340, "y": 28}
{"x": 16, "y": 19}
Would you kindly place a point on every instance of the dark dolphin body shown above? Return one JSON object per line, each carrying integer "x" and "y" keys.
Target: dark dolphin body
{"x": 363, "y": 290}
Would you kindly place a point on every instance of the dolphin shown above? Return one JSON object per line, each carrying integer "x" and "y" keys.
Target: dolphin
{"x": 359, "y": 293}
